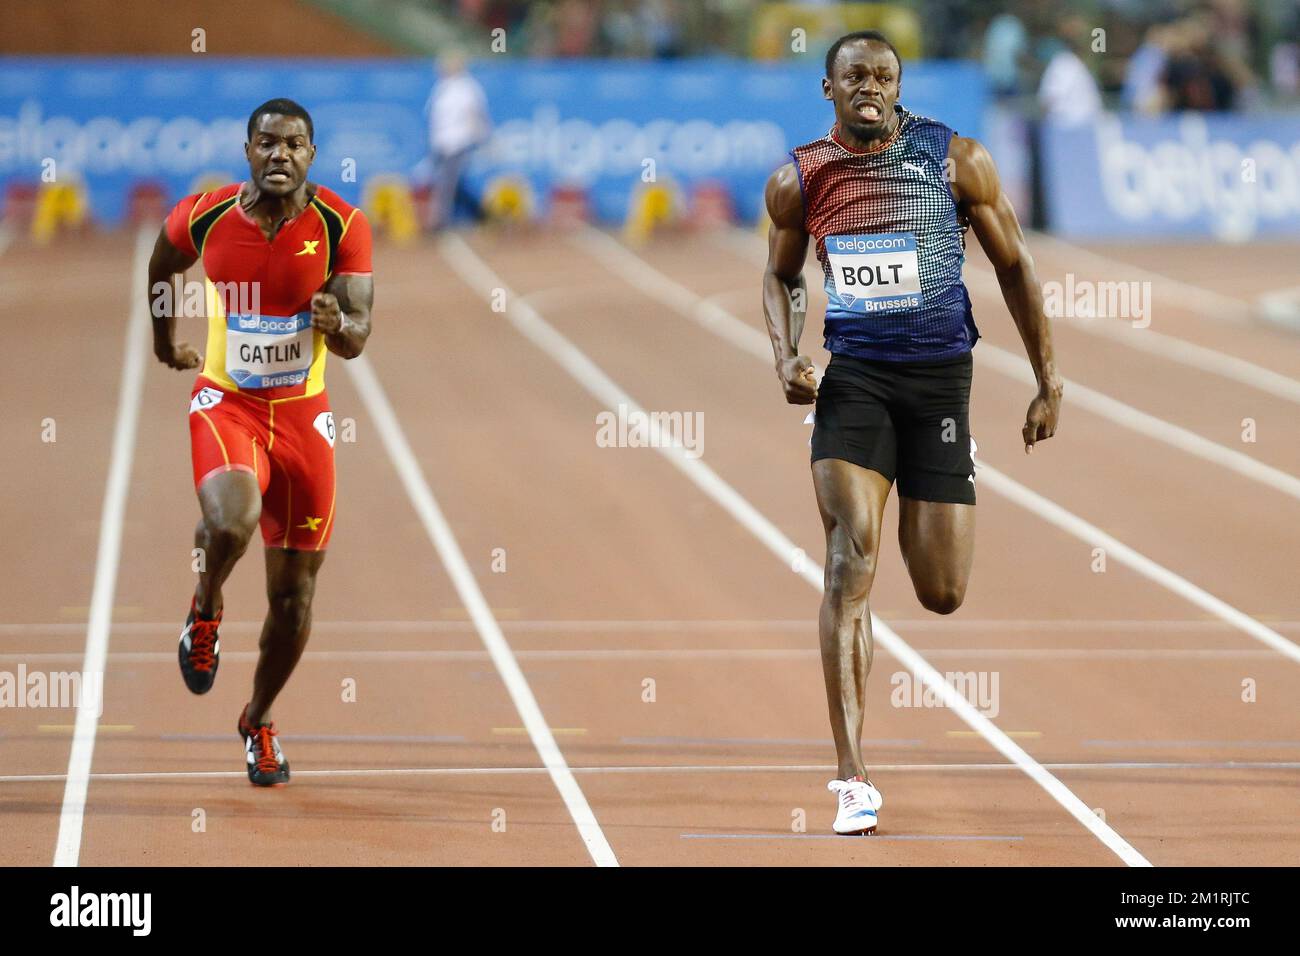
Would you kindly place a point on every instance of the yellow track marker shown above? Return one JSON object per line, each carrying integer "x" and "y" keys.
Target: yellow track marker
{"x": 103, "y": 728}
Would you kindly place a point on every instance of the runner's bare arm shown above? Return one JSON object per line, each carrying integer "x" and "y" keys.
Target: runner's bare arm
{"x": 785, "y": 294}
{"x": 342, "y": 311}
{"x": 981, "y": 199}
{"x": 165, "y": 262}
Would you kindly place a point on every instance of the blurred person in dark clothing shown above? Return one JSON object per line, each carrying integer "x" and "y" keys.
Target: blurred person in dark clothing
{"x": 1197, "y": 76}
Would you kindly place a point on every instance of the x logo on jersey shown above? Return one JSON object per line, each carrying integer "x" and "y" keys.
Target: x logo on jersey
{"x": 312, "y": 524}
{"x": 308, "y": 247}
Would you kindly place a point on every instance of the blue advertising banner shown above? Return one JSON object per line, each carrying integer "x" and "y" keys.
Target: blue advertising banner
{"x": 1211, "y": 176}
{"x": 113, "y": 124}
{"x": 728, "y": 121}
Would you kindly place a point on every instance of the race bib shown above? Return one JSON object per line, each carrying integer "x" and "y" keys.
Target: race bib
{"x": 264, "y": 351}
{"x": 875, "y": 273}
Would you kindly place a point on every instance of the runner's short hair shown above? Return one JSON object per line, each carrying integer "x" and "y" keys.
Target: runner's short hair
{"x": 280, "y": 107}
{"x": 874, "y": 35}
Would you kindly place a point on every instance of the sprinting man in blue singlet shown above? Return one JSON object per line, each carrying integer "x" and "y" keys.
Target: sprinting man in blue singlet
{"x": 888, "y": 195}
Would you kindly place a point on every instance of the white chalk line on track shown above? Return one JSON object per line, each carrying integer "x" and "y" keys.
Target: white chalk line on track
{"x": 970, "y": 654}
{"x": 479, "y": 276}
{"x": 999, "y": 360}
{"x": 946, "y": 625}
{"x": 1148, "y": 426}
{"x": 1168, "y": 347}
{"x": 874, "y": 837}
{"x": 67, "y": 849}
{"x": 1278, "y": 306}
{"x": 652, "y": 769}
{"x": 444, "y": 541}
{"x": 1205, "y": 302}
{"x": 667, "y": 290}
{"x": 1053, "y": 513}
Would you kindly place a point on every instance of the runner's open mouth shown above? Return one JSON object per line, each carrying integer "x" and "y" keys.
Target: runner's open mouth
{"x": 870, "y": 112}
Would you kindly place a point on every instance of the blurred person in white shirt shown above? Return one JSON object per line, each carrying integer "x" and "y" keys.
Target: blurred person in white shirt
{"x": 1068, "y": 92}
{"x": 458, "y": 124}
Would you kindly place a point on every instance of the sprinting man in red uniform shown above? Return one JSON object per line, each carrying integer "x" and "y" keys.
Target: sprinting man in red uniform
{"x": 288, "y": 281}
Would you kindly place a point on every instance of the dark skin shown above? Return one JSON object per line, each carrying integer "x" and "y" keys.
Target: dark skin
{"x": 936, "y": 538}
{"x": 279, "y": 155}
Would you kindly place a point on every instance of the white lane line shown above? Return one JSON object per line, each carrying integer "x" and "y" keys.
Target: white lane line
{"x": 1166, "y": 347}
{"x": 1121, "y": 413}
{"x": 1291, "y": 291}
{"x": 1115, "y": 549}
{"x": 621, "y": 259}
{"x": 985, "y": 353}
{"x": 941, "y": 768}
{"x": 444, "y": 540}
{"x": 947, "y": 625}
{"x": 479, "y": 276}
{"x": 456, "y": 626}
{"x": 67, "y": 849}
{"x": 950, "y": 624}
{"x": 363, "y": 655}
{"x": 1206, "y": 302}
{"x": 875, "y": 837}
{"x": 1157, "y": 744}
{"x": 1281, "y": 305}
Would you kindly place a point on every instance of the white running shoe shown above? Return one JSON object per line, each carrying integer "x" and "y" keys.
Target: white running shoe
{"x": 859, "y": 801}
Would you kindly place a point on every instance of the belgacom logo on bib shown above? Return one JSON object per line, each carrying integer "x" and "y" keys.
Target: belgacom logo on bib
{"x": 205, "y": 399}
{"x": 324, "y": 424}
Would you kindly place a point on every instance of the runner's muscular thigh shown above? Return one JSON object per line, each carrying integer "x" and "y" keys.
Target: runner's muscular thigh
{"x": 937, "y": 539}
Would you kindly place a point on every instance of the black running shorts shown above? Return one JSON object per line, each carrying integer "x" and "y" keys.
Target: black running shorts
{"x": 907, "y": 420}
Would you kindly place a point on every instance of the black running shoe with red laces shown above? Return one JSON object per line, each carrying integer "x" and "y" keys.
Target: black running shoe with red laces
{"x": 200, "y": 651}
{"x": 266, "y": 764}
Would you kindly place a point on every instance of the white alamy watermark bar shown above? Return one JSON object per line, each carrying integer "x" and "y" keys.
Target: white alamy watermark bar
{"x": 1085, "y": 299}
{"x": 133, "y": 911}
{"x": 980, "y": 688}
{"x": 53, "y": 690}
{"x": 633, "y": 428}
{"x": 195, "y": 298}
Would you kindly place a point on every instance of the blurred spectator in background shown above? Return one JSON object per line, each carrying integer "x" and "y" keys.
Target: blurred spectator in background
{"x": 1068, "y": 92}
{"x": 563, "y": 28}
{"x": 458, "y": 124}
{"x": 1203, "y": 72}
{"x": 659, "y": 29}
{"x": 1193, "y": 54}
{"x": 1144, "y": 88}
{"x": 1284, "y": 68}
{"x": 661, "y": 21}
{"x": 1006, "y": 42}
